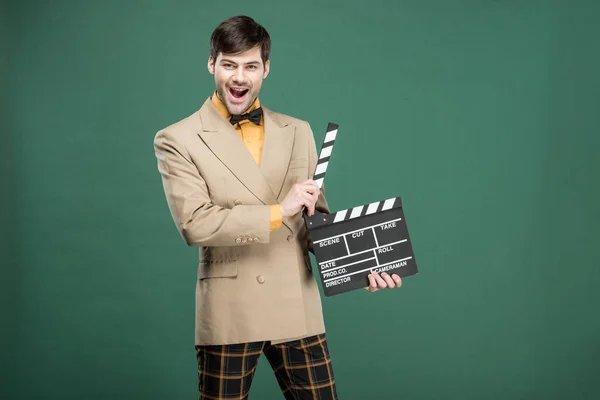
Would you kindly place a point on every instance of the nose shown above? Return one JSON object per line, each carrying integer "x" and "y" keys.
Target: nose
{"x": 239, "y": 77}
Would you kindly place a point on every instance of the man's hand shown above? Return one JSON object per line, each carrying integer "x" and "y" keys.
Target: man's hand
{"x": 304, "y": 194}
{"x": 383, "y": 281}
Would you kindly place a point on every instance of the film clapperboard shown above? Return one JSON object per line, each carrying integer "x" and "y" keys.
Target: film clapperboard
{"x": 350, "y": 244}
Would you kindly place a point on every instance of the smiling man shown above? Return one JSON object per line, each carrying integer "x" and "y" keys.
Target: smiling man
{"x": 237, "y": 177}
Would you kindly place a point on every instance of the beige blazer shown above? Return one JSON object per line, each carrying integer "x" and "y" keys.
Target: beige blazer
{"x": 253, "y": 284}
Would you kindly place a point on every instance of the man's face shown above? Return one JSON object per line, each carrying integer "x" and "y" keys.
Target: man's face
{"x": 238, "y": 78}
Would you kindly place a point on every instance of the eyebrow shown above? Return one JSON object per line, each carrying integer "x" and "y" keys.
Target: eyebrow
{"x": 233, "y": 62}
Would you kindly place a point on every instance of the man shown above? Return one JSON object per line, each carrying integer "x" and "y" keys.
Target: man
{"x": 237, "y": 178}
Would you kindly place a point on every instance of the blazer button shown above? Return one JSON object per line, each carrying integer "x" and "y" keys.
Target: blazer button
{"x": 238, "y": 240}
{"x": 260, "y": 279}
{"x": 237, "y": 202}
{"x": 290, "y": 238}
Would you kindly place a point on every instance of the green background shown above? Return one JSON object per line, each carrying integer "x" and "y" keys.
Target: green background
{"x": 482, "y": 115}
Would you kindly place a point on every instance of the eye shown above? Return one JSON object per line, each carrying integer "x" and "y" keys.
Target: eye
{"x": 252, "y": 67}
{"x": 228, "y": 65}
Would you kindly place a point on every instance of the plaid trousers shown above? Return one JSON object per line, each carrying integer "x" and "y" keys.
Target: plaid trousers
{"x": 302, "y": 367}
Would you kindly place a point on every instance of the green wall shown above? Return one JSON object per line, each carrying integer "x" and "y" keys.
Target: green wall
{"x": 482, "y": 115}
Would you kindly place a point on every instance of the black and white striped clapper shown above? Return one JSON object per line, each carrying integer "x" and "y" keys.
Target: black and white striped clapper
{"x": 350, "y": 244}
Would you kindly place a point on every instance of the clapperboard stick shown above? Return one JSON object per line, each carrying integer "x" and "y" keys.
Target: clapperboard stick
{"x": 350, "y": 244}
{"x": 323, "y": 162}
{"x": 325, "y": 154}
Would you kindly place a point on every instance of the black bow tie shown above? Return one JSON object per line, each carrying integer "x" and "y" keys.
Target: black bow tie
{"x": 253, "y": 116}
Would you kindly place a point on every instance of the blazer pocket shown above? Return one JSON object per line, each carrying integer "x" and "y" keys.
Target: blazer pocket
{"x": 297, "y": 171}
{"x": 208, "y": 269}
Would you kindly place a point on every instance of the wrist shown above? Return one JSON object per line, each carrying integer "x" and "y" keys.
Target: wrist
{"x": 282, "y": 211}
{"x": 285, "y": 212}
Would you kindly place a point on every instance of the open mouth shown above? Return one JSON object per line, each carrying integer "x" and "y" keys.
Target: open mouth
{"x": 238, "y": 93}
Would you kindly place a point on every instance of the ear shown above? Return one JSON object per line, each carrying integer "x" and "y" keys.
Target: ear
{"x": 211, "y": 65}
{"x": 267, "y": 68}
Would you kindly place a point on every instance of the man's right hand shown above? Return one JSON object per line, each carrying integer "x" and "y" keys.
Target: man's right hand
{"x": 304, "y": 194}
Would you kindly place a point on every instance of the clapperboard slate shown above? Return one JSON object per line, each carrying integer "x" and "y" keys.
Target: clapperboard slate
{"x": 350, "y": 244}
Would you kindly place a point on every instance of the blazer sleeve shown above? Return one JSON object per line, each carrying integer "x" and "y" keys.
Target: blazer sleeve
{"x": 321, "y": 205}
{"x": 199, "y": 222}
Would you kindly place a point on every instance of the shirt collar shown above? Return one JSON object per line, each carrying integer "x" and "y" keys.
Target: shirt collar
{"x": 222, "y": 109}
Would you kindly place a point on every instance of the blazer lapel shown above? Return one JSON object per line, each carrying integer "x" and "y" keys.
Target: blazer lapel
{"x": 225, "y": 143}
{"x": 276, "y": 152}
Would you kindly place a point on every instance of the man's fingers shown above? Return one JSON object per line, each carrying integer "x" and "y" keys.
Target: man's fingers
{"x": 383, "y": 281}
{"x": 388, "y": 280}
{"x": 310, "y": 182}
{"x": 316, "y": 196}
{"x": 305, "y": 187}
{"x": 372, "y": 284}
{"x": 309, "y": 187}
{"x": 301, "y": 195}
{"x": 306, "y": 200}
{"x": 309, "y": 201}
{"x": 314, "y": 185}
{"x": 311, "y": 209}
{"x": 315, "y": 191}
{"x": 380, "y": 282}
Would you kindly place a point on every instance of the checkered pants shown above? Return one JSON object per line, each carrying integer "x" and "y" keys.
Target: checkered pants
{"x": 302, "y": 367}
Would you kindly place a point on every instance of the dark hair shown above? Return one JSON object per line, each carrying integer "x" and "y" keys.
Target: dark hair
{"x": 238, "y": 34}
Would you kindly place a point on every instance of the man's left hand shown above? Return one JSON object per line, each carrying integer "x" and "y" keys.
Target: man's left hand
{"x": 383, "y": 281}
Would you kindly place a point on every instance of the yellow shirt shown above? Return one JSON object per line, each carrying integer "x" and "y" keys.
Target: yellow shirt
{"x": 253, "y": 137}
